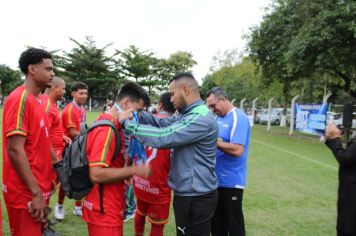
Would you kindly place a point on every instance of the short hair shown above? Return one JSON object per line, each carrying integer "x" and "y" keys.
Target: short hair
{"x": 165, "y": 100}
{"x": 182, "y": 75}
{"x": 188, "y": 77}
{"x": 79, "y": 85}
{"x": 134, "y": 92}
{"x": 32, "y": 56}
{"x": 218, "y": 93}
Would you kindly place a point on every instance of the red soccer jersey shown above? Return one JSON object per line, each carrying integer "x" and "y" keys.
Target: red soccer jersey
{"x": 23, "y": 115}
{"x": 155, "y": 188}
{"x": 100, "y": 148}
{"x": 72, "y": 116}
{"x": 54, "y": 125}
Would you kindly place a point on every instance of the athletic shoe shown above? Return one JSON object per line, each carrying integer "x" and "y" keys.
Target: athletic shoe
{"x": 50, "y": 232}
{"x": 77, "y": 211}
{"x": 129, "y": 216}
{"x": 59, "y": 212}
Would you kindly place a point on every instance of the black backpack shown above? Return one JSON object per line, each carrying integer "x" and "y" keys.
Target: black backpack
{"x": 73, "y": 169}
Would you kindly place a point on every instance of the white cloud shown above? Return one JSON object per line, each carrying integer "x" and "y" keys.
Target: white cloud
{"x": 201, "y": 27}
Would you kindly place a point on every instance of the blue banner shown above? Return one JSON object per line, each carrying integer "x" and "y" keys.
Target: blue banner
{"x": 311, "y": 119}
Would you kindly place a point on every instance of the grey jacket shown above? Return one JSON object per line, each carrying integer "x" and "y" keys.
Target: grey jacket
{"x": 192, "y": 137}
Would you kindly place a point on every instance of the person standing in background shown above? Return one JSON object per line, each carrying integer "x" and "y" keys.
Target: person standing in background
{"x": 346, "y": 203}
{"x": 153, "y": 193}
{"x": 72, "y": 115}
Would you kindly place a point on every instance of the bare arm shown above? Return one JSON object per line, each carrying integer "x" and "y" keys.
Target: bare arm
{"x": 231, "y": 148}
{"x": 101, "y": 175}
{"x": 72, "y": 133}
{"x": 19, "y": 160}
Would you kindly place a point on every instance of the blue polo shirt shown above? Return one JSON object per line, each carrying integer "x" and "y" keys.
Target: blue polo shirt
{"x": 234, "y": 127}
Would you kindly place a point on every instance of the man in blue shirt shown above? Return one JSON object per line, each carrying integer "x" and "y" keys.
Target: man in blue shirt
{"x": 231, "y": 158}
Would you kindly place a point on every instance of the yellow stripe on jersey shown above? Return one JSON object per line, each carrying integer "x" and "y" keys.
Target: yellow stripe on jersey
{"x": 106, "y": 145}
{"x": 21, "y": 109}
{"x": 48, "y": 105}
{"x": 16, "y": 132}
{"x": 70, "y": 119}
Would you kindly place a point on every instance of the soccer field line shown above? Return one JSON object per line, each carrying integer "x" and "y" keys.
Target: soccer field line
{"x": 296, "y": 154}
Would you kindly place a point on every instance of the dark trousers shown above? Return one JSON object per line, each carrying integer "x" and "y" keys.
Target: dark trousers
{"x": 228, "y": 218}
{"x": 193, "y": 214}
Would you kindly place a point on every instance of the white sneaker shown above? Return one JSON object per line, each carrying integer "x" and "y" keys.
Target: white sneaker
{"x": 59, "y": 212}
{"x": 77, "y": 211}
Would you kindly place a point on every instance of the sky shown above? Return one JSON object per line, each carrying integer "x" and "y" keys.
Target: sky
{"x": 201, "y": 27}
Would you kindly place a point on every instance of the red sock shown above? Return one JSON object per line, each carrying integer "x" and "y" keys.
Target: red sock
{"x": 61, "y": 196}
{"x": 139, "y": 224}
{"x": 78, "y": 203}
{"x": 157, "y": 230}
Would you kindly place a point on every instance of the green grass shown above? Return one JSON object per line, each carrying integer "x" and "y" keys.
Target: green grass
{"x": 291, "y": 189}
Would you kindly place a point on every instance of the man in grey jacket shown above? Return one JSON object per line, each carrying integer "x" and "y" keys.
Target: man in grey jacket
{"x": 192, "y": 135}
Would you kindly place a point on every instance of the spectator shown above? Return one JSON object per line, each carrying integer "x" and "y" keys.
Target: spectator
{"x": 346, "y": 207}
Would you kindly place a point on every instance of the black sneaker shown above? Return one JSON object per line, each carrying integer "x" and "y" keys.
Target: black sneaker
{"x": 50, "y": 232}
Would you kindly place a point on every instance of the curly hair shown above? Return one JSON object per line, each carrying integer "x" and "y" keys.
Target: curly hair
{"x": 32, "y": 56}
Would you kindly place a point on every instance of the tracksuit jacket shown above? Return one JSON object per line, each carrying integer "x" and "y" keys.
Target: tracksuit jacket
{"x": 192, "y": 137}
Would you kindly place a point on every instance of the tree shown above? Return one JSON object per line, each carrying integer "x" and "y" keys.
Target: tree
{"x": 89, "y": 64}
{"x": 177, "y": 62}
{"x": 9, "y": 78}
{"x": 326, "y": 41}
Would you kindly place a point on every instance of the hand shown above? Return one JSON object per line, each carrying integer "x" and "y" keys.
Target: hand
{"x": 332, "y": 132}
{"x": 125, "y": 115}
{"x": 66, "y": 139}
{"x": 144, "y": 171}
{"x": 38, "y": 208}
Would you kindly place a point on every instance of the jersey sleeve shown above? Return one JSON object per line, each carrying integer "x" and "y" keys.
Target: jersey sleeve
{"x": 17, "y": 112}
{"x": 68, "y": 117}
{"x": 101, "y": 146}
{"x": 239, "y": 131}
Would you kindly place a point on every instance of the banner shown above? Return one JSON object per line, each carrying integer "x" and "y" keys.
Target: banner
{"x": 311, "y": 119}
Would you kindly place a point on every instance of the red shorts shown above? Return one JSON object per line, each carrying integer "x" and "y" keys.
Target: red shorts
{"x": 21, "y": 223}
{"x": 157, "y": 213}
{"x": 94, "y": 230}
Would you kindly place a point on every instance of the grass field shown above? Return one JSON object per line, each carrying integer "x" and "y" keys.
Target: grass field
{"x": 291, "y": 189}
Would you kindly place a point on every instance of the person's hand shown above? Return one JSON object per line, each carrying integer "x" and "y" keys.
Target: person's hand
{"x": 125, "y": 115}
{"x": 332, "y": 132}
{"x": 38, "y": 208}
{"x": 144, "y": 171}
{"x": 66, "y": 139}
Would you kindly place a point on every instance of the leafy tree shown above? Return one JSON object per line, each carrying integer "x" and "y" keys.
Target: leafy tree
{"x": 177, "y": 62}
{"x": 89, "y": 64}
{"x": 326, "y": 41}
{"x": 9, "y": 78}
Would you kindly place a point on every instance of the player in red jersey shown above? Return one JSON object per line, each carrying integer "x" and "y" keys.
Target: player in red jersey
{"x": 72, "y": 115}
{"x": 110, "y": 173}
{"x": 27, "y": 162}
{"x": 153, "y": 193}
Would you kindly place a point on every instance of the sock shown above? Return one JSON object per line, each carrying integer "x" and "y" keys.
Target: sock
{"x": 139, "y": 224}
{"x": 61, "y": 196}
{"x": 78, "y": 203}
{"x": 157, "y": 230}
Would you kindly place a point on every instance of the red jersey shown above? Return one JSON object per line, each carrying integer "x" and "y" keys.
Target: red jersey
{"x": 100, "y": 148}
{"x": 155, "y": 188}
{"x": 54, "y": 125}
{"x": 72, "y": 116}
{"x": 24, "y": 115}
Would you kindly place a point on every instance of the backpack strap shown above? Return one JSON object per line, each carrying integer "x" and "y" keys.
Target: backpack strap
{"x": 117, "y": 135}
{"x": 116, "y": 152}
